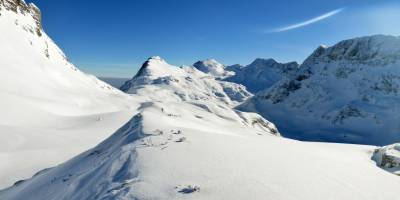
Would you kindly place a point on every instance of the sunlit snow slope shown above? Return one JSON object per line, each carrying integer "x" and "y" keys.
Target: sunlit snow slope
{"x": 180, "y": 147}
{"x": 50, "y": 110}
{"x": 182, "y": 137}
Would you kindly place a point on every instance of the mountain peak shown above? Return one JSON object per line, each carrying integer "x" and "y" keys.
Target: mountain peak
{"x": 263, "y": 62}
{"x": 360, "y": 49}
{"x": 154, "y": 65}
{"x": 156, "y": 58}
{"x": 20, "y": 6}
{"x": 211, "y": 66}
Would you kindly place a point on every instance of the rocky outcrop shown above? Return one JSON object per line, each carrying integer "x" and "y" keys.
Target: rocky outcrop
{"x": 388, "y": 157}
{"x": 37, "y": 16}
{"x": 20, "y": 6}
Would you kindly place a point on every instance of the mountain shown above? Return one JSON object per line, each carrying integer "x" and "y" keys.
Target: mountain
{"x": 177, "y": 135}
{"x": 212, "y": 67}
{"x": 48, "y": 106}
{"x": 261, "y": 73}
{"x": 183, "y": 84}
{"x": 178, "y": 146}
{"x": 345, "y": 93}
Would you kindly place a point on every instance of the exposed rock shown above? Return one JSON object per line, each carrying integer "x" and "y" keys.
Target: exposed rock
{"x": 388, "y": 157}
{"x": 20, "y": 6}
{"x": 37, "y": 15}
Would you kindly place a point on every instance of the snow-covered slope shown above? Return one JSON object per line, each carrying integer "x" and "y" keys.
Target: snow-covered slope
{"x": 345, "y": 93}
{"x": 261, "y": 73}
{"x": 177, "y": 150}
{"x": 182, "y": 137}
{"x": 183, "y": 84}
{"x": 50, "y": 111}
{"x": 41, "y": 71}
{"x": 181, "y": 147}
{"x": 212, "y": 67}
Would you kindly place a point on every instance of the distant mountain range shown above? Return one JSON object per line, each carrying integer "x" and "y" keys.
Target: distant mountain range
{"x": 196, "y": 132}
{"x": 345, "y": 93}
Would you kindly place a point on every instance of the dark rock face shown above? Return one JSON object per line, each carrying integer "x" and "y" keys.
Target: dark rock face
{"x": 37, "y": 15}
{"x": 14, "y": 5}
{"x": 19, "y": 6}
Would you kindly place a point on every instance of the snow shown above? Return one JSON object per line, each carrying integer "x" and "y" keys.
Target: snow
{"x": 182, "y": 83}
{"x": 48, "y": 107}
{"x": 212, "y": 67}
{"x": 223, "y": 160}
{"x": 388, "y": 157}
{"x": 345, "y": 93}
{"x": 261, "y": 73}
{"x": 176, "y": 136}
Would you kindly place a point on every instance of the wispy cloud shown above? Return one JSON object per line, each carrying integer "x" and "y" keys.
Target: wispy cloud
{"x": 308, "y": 22}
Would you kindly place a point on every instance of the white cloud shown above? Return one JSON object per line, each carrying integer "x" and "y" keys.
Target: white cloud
{"x": 308, "y": 22}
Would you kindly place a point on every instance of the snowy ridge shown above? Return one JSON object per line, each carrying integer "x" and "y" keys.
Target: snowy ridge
{"x": 182, "y": 83}
{"x": 40, "y": 66}
{"x": 212, "y": 67}
{"x": 51, "y": 111}
{"x": 116, "y": 168}
{"x": 261, "y": 73}
{"x": 345, "y": 93}
{"x": 182, "y": 151}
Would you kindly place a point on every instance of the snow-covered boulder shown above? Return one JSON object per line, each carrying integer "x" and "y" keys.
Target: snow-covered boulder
{"x": 388, "y": 157}
{"x": 349, "y": 92}
{"x": 261, "y": 73}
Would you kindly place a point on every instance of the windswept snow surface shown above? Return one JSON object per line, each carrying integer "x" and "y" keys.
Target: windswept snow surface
{"x": 176, "y": 150}
{"x": 189, "y": 148}
{"x": 50, "y": 111}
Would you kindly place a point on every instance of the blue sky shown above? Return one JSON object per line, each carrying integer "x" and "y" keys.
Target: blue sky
{"x": 113, "y": 38}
